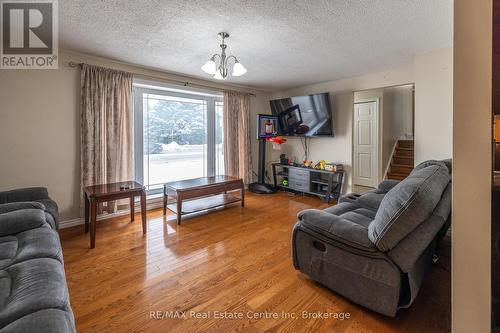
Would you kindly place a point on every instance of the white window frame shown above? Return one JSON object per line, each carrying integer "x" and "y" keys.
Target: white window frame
{"x": 141, "y": 87}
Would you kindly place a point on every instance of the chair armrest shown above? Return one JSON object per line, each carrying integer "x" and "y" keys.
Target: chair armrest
{"x": 387, "y": 185}
{"x": 12, "y": 206}
{"x": 337, "y": 228}
{"x": 350, "y": 197}
{"x": 24, "y": 194}
{"x": 21, "y": 220}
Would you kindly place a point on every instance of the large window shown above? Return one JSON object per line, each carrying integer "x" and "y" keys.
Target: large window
{"x": 178, "y": 135}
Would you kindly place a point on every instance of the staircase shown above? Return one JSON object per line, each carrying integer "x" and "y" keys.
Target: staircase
{"x": 402, "y": 160}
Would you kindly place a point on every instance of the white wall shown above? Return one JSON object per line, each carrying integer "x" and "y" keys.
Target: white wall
{"x": 339, "y": 148}
{"x": 433, "y": 105}
{"x": 39, "y": 131}
{"x": 472, "y": 167}
{"x": 432, "y": 74}
{"x": 397, "y": 119}
{"x": 398, "y": 110}
{"x": 40, "y": 123}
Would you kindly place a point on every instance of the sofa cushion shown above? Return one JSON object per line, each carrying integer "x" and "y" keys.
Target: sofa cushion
{"x": 31, "y": 244}
{"x": 19, "y": 205}
{"x": 24, "y": 194}
{"x": 8, "y": 250}
{"x": 33, "y": 285}
{"x": 52, "y": 209}
{"x": 350, "y": 230}
{"x": 353, "y": 212}
{"x": 408, "y": 204}
{"x": 387, "y": 185}
{"x": 47, "y": 205}
{"x": 407, "y": 252}
{"x": 427, "y": 163}
{"x": 43, "y": 321}
{"x": 21, "y": 220}
{"x": 50, "y": 221}
{"x": 371, "y": 200}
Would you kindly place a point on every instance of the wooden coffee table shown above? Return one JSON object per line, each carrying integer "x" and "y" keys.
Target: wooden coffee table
{"x": 110, "y": 192}
{"x": 194, "y": 195}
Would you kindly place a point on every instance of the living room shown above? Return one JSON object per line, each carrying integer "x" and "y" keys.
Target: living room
{"x": 171, "y": 155}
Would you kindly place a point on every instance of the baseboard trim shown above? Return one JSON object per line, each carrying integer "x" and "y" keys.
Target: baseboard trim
{"x": 150, "y": 204}
{"x": 71, "y": 223}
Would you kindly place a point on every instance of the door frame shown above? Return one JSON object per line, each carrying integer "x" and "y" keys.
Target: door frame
{"x": 378, "y": 121}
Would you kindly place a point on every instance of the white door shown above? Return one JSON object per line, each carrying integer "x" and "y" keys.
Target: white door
{"x": 365, "y": 157}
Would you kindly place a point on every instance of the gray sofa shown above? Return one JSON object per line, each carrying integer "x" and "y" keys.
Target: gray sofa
{"x": 33, "y": 292}
{"x": 375, "y": 248}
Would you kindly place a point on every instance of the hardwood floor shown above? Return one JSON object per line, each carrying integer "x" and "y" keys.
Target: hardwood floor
{"x": 235, "y": 260}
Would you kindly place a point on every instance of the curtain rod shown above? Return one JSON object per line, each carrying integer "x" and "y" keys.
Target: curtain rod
{"x": 73, "y": 64}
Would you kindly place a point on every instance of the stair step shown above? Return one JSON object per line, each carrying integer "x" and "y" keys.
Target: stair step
{"x": 404, "y": 151}
{"x": 395, "y": 176}
{"x": 403, "y": 160}
{"x": 401, "y": 169}
{"x": 405, "y": 143}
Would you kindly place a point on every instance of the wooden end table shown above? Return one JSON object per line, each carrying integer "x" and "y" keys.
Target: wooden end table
{"x": 202, "y": 194}
{"x": 111, "y": 192}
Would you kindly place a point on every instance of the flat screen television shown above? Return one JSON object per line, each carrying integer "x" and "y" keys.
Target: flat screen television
{"x": 309, "y": 115}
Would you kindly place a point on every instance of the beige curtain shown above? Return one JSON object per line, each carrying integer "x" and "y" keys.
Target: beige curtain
{"x": 105, "y": 127}
{"x": 237, "y": 152}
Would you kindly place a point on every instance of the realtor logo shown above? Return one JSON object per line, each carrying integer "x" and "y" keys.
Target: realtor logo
{"x": 29, "y": 34}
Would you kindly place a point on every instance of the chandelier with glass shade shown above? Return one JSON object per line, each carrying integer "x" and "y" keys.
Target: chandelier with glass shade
{"x": 218, "y": 65}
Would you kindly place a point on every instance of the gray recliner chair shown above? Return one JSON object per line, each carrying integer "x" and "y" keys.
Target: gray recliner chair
{"x": 375, "y": 248}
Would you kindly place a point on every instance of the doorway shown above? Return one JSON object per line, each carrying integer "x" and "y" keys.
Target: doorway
{"x": 383, "y": 127}
{"x": 366, "y": 143}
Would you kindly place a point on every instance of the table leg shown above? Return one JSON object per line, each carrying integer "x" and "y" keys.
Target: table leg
{"x": 93, "y": 220}
{"x": 165, "y": 197}
{"x": 179, "y": 208}
{"x": 87, "y": 212}
{"x": 242, "y": 194}
{"x": 143, "y": 212}
{"x": 132, "y": 209}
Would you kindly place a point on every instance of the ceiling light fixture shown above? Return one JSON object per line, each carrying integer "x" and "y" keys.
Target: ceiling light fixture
{"x": 219, "y": 70}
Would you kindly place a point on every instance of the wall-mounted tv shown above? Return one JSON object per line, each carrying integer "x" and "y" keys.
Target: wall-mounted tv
{"x": 304, "y": 115}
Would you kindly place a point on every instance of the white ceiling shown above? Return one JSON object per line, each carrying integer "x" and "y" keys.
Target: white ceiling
{"x": 282, "y": 43}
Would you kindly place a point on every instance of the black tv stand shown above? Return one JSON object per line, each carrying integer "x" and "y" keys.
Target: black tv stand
{"x": 326, "y": 185}
{"x": 260, "y": 186}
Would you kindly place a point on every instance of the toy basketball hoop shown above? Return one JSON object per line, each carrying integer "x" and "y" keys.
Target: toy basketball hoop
{"x": 277, "y": 141}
